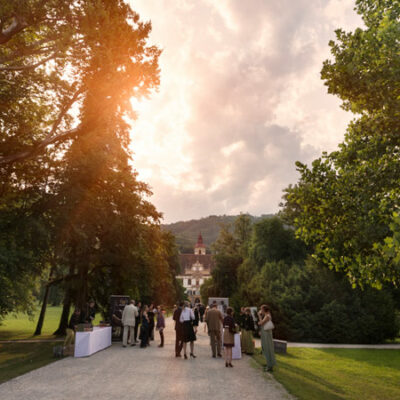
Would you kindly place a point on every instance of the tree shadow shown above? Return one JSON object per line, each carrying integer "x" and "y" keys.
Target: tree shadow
{"x": 378, "y": 358}
{"x": 309, "y": 382}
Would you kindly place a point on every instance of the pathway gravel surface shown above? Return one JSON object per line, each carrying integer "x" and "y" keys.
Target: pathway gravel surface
{"x": 144, "y": 374}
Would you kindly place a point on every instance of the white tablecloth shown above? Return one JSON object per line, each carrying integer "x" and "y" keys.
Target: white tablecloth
{"x": 87, "y": 343}
{"x": 237, "y": 349}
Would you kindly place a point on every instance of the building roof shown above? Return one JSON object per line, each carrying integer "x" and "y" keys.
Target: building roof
{"x": 187, "y": 260}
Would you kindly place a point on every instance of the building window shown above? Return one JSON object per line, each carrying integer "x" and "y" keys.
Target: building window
{"x": 189, "y": 281}
{"x": 197, "y": 282}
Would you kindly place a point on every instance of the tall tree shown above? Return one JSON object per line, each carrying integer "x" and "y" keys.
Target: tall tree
{"x": 343, "y": 204}
{"x": 69, "y": 69}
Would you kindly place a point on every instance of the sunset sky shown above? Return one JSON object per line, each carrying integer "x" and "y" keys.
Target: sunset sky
{"x": 240, "y": 101}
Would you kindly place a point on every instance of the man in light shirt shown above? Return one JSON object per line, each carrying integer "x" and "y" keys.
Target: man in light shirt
{"x": 128, "y": 320}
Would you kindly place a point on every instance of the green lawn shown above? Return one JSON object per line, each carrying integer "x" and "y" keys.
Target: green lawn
{"x": 19, "y": 358}
{"x": 335, "y": 374}
{"x": 20, "y": 326}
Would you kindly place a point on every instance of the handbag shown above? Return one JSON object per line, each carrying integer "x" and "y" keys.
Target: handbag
{"x": 268, "y": 326}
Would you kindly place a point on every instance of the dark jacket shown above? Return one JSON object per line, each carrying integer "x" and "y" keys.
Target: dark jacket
{"x": 196, "y": 317}
{"x": 74, "y": 320}
{"x": 176, "y": 317}
{"x": 229, "y": 322}
{"x": 248, "y": 323}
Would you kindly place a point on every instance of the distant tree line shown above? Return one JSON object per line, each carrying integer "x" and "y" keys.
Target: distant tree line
{"x": 187, "y": 232}
{"x": 265, "y": 263}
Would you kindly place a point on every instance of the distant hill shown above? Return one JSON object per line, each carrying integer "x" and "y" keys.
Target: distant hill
{"x": 186, "y": 232}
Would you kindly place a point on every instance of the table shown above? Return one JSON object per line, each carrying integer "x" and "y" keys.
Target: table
{"x": 87, "y": 343}
{"x": 237, "y": 349}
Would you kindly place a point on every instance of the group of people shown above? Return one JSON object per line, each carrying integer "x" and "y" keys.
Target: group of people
{"x": 133, "y": 316}
{"x": 221, "y": 327}
{"x": 221, "y": 330}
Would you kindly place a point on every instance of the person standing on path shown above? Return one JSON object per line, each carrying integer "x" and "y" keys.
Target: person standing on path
{"x": 160, "y": 324}
{"x": 247, "y": 333}
{"x": 137, "y": 321}
{"x": 128, "y": 321}
{"x": 267, "y": 342}
{"x": 144, "y": 329}
{"x": 187, "y": 318}
{"x": 214, "y": 322}
{"x": 229, "y": 336}
{"x": 151, "y": 313}
{"x": 178, "y": 330}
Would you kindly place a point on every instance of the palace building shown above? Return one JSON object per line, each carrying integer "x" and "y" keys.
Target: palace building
{"x": 195, "y": 269}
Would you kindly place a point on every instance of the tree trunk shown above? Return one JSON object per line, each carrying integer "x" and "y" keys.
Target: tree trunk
{"x": 39, "y": 325}
{"x": 62, "y": 327}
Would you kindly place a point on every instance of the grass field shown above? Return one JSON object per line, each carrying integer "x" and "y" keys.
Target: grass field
{"x": 19, "y": 358}
{"x": 16, "y": 327}
{"x": 338, "y": 374}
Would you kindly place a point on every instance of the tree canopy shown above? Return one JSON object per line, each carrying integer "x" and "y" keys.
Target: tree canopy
{"x": 343, "y": 204}
{"x": 72, "y": 210}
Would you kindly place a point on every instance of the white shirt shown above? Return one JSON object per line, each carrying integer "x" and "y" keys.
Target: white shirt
{"x": 186, "y": 314}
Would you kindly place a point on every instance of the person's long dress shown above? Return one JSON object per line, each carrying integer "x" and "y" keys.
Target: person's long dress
{"x": 150, "y": 315}
{"x": 267, "y": 345}
{"x": 144, "y": 332}
{"x": 247, "y": 335}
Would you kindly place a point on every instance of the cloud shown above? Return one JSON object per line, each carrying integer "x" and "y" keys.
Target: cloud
{"x": 240, "y": 101}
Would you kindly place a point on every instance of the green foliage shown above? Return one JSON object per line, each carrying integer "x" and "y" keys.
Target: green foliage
{"x": 272, "y": 241}
{"x": 343, "y": 204}
{"x": 312, "y": 304}
{"x": 364, "y": 73}
{"x": 308, "y": 302}
{"x": 71, "y": 205}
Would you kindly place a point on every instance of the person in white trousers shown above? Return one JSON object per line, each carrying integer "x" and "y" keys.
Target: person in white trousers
{"x": 128, "y": 321}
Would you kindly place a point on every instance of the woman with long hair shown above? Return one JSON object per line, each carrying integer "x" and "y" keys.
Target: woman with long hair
{"x": 229, "y": 336}
{"x": 187, "y": 318}
{"x": 160, "y": 324}
{"x": 267, "y": 343}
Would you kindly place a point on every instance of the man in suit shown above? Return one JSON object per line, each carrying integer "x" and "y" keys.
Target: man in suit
{"x": 178, "y": 330}
{"x": 214, "y": 320}
{"x": 128, "y": 321}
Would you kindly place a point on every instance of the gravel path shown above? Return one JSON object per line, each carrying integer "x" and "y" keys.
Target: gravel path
{"x": 152, "y": 373}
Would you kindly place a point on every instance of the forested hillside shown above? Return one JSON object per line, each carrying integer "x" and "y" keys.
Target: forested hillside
{"x": 186, "y": 232}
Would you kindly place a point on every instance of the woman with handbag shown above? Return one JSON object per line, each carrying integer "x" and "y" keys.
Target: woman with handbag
{"x": 229, "y": 336}
{"x": 187, "y": 318}
{"x": 267, "y": 342}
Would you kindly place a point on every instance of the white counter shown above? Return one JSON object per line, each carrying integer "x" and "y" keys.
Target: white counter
{"x": 87, "y": 343}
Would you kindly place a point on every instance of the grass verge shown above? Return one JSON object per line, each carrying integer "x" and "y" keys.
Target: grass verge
{"x": 19, "y": 358}
{"x": 336, "y": 374}
{"x": 20, "y": 326}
